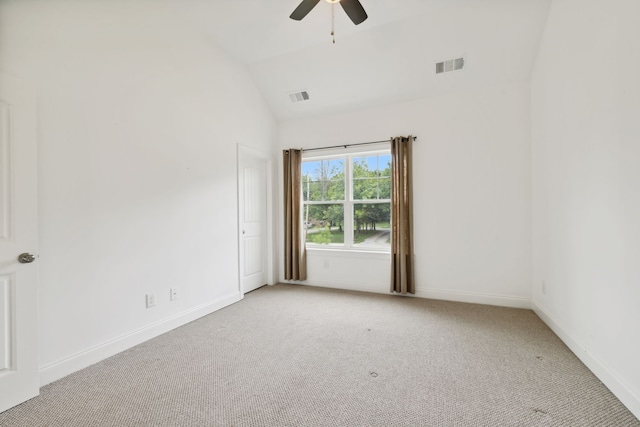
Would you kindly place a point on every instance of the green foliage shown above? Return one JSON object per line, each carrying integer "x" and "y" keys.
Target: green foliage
{"x": 370, "y": 184}
{"x": 322, "y": 215}
{"x": 335, "y": 215}
{"x": 367, "y": 216}
{"x": 321, "y": 237}
{"x": 325, "y": 236}
{"x": 325, "y": 181}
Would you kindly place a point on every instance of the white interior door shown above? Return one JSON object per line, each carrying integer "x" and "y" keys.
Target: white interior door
{"x": 19, "y": 379}
{"x": 252, "y": 213}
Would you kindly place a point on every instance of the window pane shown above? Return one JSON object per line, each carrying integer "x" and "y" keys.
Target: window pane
{"x": 371, "y": 225}
{"x": 323, "y": 180}
{"x": 324, "y": 224}
{"x": 371, "y": 177}
{"x": 384, "y": 183}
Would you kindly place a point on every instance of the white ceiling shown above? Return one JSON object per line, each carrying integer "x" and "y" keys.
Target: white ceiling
{"x": 388, "y": 58}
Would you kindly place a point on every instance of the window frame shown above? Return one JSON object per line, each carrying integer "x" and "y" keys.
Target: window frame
{"x": 348, "y": 202}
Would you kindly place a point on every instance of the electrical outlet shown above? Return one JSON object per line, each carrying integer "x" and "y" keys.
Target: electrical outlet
{"x": 151, "y": 300}
{"x": 544, "y": 287}
{"x": 173, "y": 294}
{"x": 326, "y": 263}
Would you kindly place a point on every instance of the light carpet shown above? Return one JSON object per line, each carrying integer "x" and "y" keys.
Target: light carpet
{"x": 299, "y": 356}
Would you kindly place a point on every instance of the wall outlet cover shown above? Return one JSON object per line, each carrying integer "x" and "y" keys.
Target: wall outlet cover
{"x": 151, "y": 300}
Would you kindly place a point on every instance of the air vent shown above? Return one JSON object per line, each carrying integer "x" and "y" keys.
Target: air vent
{"x": 450, "y": 65}
{"x": 299, "y": 96}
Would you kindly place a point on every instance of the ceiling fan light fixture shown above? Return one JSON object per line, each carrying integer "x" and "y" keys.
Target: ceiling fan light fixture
{"x": 332, "y": 1}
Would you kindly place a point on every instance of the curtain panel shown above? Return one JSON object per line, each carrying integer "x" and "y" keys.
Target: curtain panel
{"x": 295, "y": 257}
{"x": 402, "y": 269}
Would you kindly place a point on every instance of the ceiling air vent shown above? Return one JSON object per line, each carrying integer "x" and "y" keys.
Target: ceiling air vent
{"x": 449, "y": 65}
{"x": 299, "y": 96}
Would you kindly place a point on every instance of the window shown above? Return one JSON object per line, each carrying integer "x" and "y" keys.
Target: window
{"x": 346, "y": 201}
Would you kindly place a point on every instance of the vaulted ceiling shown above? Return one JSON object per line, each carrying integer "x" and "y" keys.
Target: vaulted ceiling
{"x": 388, "y": 58}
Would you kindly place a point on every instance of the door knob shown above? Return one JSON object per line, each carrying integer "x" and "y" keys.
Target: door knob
{"x": 26, "y": 258}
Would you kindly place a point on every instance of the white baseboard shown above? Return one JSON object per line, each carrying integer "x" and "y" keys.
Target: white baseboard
{"x": 347, "y": 286}
{"x": 61, "y": 368}
{"x": 629, "y": 397}
{"x": 458, "y": 296}
{"x": 474, "y": 298}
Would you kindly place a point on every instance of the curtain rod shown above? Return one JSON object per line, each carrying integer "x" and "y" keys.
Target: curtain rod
{"x": 349, "y": 145}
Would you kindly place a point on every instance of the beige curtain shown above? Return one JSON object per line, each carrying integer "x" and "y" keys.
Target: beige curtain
{"x": 402, "y": 274}
{"x": 295, "y": 256}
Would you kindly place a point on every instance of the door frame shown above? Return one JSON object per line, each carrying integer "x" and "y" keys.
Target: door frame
{"x": 243, "y": 150}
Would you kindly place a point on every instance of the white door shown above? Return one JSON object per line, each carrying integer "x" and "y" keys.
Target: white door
{"x": 19, "y": 379}
{"x": 252, "y": 219}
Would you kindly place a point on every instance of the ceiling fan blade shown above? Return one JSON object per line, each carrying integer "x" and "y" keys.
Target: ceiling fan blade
{"x": 303, "y": 9}
{"x": 354, "y": 10}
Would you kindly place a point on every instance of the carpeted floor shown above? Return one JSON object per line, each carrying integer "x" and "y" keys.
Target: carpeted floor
{"x": 300, "y": 356}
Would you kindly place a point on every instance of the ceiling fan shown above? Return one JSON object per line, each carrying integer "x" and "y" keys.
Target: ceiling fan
{"x": 353, "y": 9}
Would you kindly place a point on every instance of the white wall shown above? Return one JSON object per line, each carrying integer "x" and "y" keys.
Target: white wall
{"x": 472, "y": 193}
{"x": 586, "y": 186}
{"x": 138, "y": 124}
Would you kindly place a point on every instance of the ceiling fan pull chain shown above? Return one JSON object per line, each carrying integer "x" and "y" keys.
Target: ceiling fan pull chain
{"x": 333, "y": 32}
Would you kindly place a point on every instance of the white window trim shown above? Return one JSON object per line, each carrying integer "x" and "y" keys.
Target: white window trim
{"x": 348, "y": 201}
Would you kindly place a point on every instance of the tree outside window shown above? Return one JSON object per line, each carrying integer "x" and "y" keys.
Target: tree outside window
{"x": 346, "y": 201}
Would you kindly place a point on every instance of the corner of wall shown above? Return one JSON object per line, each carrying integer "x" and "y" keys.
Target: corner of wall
{"x": 75, "y": 362}
{"x": 605, "y": 373}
